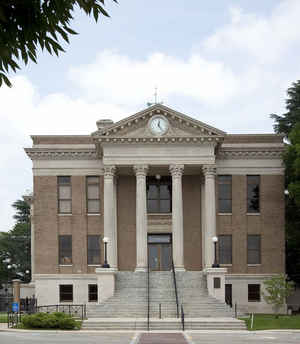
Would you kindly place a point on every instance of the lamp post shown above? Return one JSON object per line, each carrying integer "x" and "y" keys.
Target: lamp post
{"x": 215, "y": 264}
{"x": 105, "y": 265}
{"x": 8, "y": 267}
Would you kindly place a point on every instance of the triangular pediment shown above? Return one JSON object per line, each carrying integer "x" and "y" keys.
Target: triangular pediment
{"x": 137, "y": 127}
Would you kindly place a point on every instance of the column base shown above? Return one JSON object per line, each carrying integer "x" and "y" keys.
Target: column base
{"x": 140, "y": 269}
{"x": 180, "y": 269}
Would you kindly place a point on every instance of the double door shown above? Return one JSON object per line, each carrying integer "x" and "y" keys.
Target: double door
{"x": 160, "y": 252}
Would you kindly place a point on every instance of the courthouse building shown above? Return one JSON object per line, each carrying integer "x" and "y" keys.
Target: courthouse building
{"x": 160, "y": 186}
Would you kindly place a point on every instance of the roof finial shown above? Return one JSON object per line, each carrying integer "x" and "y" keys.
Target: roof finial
{"x": 155, "y": 98}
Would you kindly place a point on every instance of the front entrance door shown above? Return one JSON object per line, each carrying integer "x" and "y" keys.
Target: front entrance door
{"x": 160, "y": 252}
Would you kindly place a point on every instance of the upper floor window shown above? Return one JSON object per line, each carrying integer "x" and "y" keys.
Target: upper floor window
{"x": 159, "y": 195}
{"x": 225, "y": 194}
{"x": 64, "y": 195}
{"x": 93, "y": 243}
{"x": 254, "y": 249}
{"x": 253, "y": 194}
{"x": 65, "y": 249}
{"x": 225, "y": 249}
{"x": 93, "y": 194}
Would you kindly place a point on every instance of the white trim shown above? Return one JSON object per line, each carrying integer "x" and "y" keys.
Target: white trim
{"x": 250, "y": 170}
{"x": 253, "y": 214}
{"x": 254, "y": 264}
{"x": 246, "y": 145}
{"x": 95, "y": 265}
{"x": 65, "y": 264}
{"x": 96, "y": 214}
{"x": 224, "y": 214}
{"x": 66, "y": 214}
{"x": 63, "y": 146}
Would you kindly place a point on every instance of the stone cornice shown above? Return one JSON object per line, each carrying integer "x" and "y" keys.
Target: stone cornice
{"x": 250, "y": 153}
{"x": 61, "y": 154}
{"x": 160, "y": 140}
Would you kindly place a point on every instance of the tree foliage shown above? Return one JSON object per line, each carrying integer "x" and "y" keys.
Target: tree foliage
{"x": 289, "y": 125}
{"x": 278, "y": 288}
{"x": 15, "y": 245}
{"x": 286, "y": 122}
{"x": 28, "y": 25}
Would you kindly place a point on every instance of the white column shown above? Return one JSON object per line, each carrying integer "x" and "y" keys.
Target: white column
{"x": 110, "y": 229}
{"x": 203, "y": 220}
{"x": 141, "y": 218}
{"x": 210, "y": 213}
{"x": 177, "y": 216}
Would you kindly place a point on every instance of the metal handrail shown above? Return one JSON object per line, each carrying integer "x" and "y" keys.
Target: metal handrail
{"x": 182, "y": 317}
{"x": 148, "y": 297}
{"x": 175, "y": 286}
{"x": 73, "y": 310}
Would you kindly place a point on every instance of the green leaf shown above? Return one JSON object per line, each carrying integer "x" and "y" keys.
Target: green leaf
{"x": 4, "y": 78}
{"x": 70, "y": 30}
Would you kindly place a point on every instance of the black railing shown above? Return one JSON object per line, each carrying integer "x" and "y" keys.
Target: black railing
{"x": 148, "y": 297}
{"x": 13, "y": 319}
{"x": 175, "y": 287}
{"x": 182, "y": 317}
{"x": 73, "y": 310}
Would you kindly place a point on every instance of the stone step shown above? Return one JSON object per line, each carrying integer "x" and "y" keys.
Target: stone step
{"x": 163, "y": 324}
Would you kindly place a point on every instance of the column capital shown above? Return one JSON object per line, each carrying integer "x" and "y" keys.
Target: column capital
{"x": 141, "y": 170}
{"x": 176, "y": 170}
{"x": 209, "y": 170}
{"x": 109, "y": 171}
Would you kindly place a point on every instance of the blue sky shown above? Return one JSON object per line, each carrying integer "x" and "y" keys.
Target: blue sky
{"x": 226, "y": 63}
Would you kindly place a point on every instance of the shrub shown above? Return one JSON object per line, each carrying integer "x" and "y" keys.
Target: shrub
{"x": 51, "y": 321}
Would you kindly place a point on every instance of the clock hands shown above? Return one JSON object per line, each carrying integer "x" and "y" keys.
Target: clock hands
{"x": 158, "y": 124}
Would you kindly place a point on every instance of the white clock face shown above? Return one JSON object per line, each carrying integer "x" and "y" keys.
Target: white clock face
{"x": 159, "y": 125}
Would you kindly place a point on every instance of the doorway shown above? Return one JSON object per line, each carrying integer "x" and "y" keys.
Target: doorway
{"x": 160, "y": 252}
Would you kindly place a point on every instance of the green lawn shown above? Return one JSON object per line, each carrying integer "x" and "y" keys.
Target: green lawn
{"x": 3, "y": 317}
{"x": 269, "y": 322}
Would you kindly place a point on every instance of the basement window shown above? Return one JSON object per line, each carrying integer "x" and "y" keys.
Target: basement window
{"x": 253, "y": 292}
{"x": 66, "y": 293}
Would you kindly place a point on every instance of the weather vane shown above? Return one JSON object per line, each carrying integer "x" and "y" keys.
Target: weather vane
{"x": 155, "y": 99}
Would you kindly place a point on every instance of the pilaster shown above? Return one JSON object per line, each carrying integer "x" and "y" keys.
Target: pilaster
{"x": 110, "y": 221}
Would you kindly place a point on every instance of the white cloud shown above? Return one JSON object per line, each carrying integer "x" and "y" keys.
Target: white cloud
{"x": 233, "y": 81}
{"x": 118, "y": 78}
{"x": 266, "y": 39}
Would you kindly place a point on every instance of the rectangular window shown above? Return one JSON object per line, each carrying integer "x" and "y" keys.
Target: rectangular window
{"x": 159, "y": 195}
{"x": 64, "y": 195}
{"x": 93, "y": 242}
{"x": 225, "y": 249}
{"x": 65, "y": 249}
{"x": 93, "y": 293}
{"x": 66, "y": 293}
{"x": 254, "y": 249}
{"x": 93, "y": 194}
{"x": 217, "y": 282}
{"x": 225, "y": 194}
{"x": 253, "y": 292}
{"x": 253, "y": 183}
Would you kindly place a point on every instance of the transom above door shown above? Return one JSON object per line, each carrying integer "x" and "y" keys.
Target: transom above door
{"x": 160, "y": 252}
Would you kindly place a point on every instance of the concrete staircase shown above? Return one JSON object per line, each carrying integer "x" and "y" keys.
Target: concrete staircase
{"x": 127, "y": 309}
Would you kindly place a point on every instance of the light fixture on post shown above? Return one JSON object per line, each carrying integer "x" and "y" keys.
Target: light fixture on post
{"x": 8, "y": 267}
{"x": 105, "y": 265}
{"x": 215, "y": 264}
